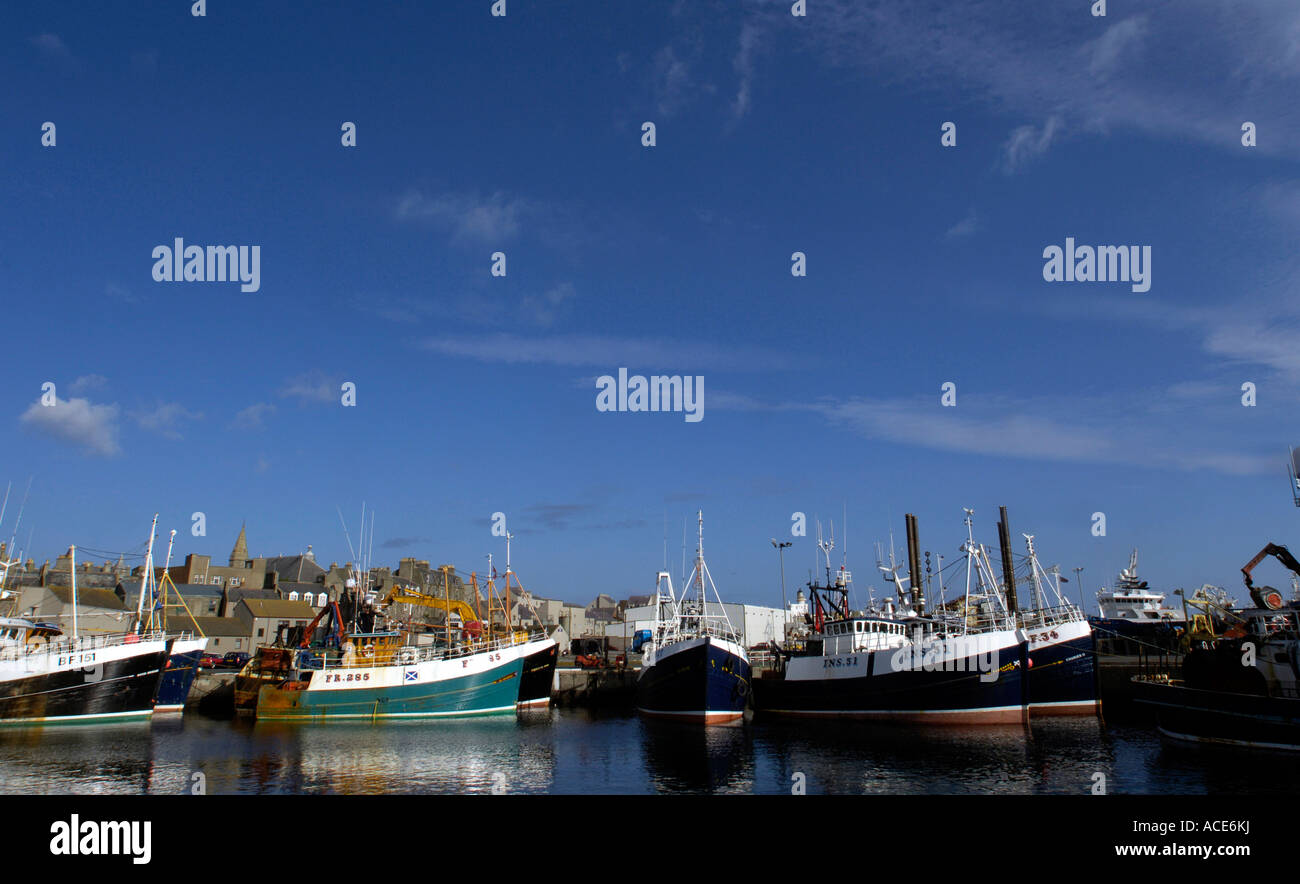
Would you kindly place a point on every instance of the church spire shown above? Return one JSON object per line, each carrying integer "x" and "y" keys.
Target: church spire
{"x": 239, "y": 555}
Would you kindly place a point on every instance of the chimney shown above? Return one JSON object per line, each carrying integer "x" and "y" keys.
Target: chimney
{"x": 1008, "y": 569}
{"x": 914, "y": 565}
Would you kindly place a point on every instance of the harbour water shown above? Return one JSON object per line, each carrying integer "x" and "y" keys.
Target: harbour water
{"x": 568, "y": 751}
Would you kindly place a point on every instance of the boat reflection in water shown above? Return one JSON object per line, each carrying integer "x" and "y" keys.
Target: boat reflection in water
{"x": 682, "y": 758}
{"x": 108, "y": 759}
{"x": 458, "y": 756}
{"x": 898, "y": 759}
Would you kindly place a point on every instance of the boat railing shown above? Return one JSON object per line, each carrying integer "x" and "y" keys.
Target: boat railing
{"x": 974, "y": 622}
{"x": 1041, "y": 617}
{"x": 668, "y": 631}
{"x": 91, "y": 642}
{"x": 406, "y": 655}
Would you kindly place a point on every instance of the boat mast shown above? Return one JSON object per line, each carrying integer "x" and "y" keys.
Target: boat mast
{"x": 446, "y": 595}
{"x": 146, "y": 579}
{"x": 18, "y": 521}
{"x": 510, "y": 609}
{"x": 72, "y": 559}
{"x": 700, "y": 562}
{"x": 162, "y": 586}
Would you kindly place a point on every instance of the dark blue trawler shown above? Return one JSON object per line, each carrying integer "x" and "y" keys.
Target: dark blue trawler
{"x": 178, "y": 676}
{"x": 182, "y": 665}
{"x": 963, "y": 663}
{"x": 1061, "y": 668}
{"x": 694, "y": 666}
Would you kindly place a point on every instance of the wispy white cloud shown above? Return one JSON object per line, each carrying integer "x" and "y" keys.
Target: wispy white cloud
{"x": 1119, "y": 42}
{"x": 1027, "y": 143}
{"x": 671, "y": 80}
{"x": 1080, "y": 430}
{"x": 252, "y": 417}
{"x": 607, "y": 352}
{"x": 743, "y": 62}
{"x": 88, "y": 382}
{"x": 51, "y": 45}
{"x": 79, "y": 421}
{"x": 118, "y": 293}
{"x": 543, "y": 310}
{"x": 1046, "y": 58}
{"x": 469, "y": 218}
{"x": 965, "y": 227}
{"x": 312, "y": 387}
{"x": 166, "y": 418}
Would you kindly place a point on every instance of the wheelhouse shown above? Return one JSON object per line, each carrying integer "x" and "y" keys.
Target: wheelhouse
{"x": 862, "y": 634}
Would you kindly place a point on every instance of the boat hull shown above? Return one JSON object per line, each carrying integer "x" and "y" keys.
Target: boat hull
{"x": 478, "y": 684}
{"x": 703, "y": 680}
{"x": 1062, "y": 674}
{"x": 116, "y": 684}
{"x": 987, "y": 687}
{"x": 1223, "y": 718}
{"x": 178, "y": 675}
{"x": 538, "y": 674}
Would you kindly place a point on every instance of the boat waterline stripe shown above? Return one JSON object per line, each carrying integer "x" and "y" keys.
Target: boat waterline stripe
{"x": 141, "y": 713}
{"x": 331, "y": 715}
{"x": 1226, "y": 741}
{"x": 897, "y": 711}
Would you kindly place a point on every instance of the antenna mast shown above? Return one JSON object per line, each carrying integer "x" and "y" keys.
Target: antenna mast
{"x": 146, "y": 579}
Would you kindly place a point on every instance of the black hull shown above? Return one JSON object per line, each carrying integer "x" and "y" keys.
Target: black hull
{"x": 1062, "y": 678}
{"x": 703, "y": 682}
{"x": 177, "y": 679}
{"x": 122, "y": 688}
{"x": 960, "y": 696}
{"x": 537, "y": 677}
{"x": 1222, "y": 717}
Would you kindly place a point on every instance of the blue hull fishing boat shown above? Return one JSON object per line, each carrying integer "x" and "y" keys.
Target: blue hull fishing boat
{"x": 694, "y": 667}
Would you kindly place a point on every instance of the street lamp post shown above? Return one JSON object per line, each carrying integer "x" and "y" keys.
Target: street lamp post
{"x": 780, "y": 550}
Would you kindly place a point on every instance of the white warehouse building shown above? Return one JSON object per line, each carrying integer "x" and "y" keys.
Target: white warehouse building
{"x": 756, "y": 624}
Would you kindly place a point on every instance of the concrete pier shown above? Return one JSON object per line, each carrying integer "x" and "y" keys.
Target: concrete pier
{"x": 610, "y": 687}
{"x": 213, "y": 693}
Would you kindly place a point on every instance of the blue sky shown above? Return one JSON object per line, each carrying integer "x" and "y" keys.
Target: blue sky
{"x": 775, "y": 134}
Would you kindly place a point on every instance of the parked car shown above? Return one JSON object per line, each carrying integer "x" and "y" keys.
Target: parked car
{"x": 210, "y": 661}
{"x": 235, "y": 659}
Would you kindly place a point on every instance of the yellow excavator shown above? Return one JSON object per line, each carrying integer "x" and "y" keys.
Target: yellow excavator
{"x": 468, "y": 618}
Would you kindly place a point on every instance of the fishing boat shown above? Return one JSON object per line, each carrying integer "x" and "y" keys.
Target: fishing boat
{"x": 182, "y": 665}
{"x": 382, "y": 672}
{"x": 377, "y": 677}
{"x": 962, "y": 663}
{"x": 1131, "y": 609}
{"x": 542, "y": 654}
{"x": 694, "y": 666}
{"x": 1062, "y": 666}
{"x": 47, "y": 677}
{"x": 1241, "y": 688}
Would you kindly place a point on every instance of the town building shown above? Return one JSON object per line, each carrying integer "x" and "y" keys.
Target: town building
{"x": 242, "y": 572}
{"x": 99, "y": 610}
{"x": 265, "y": 619}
